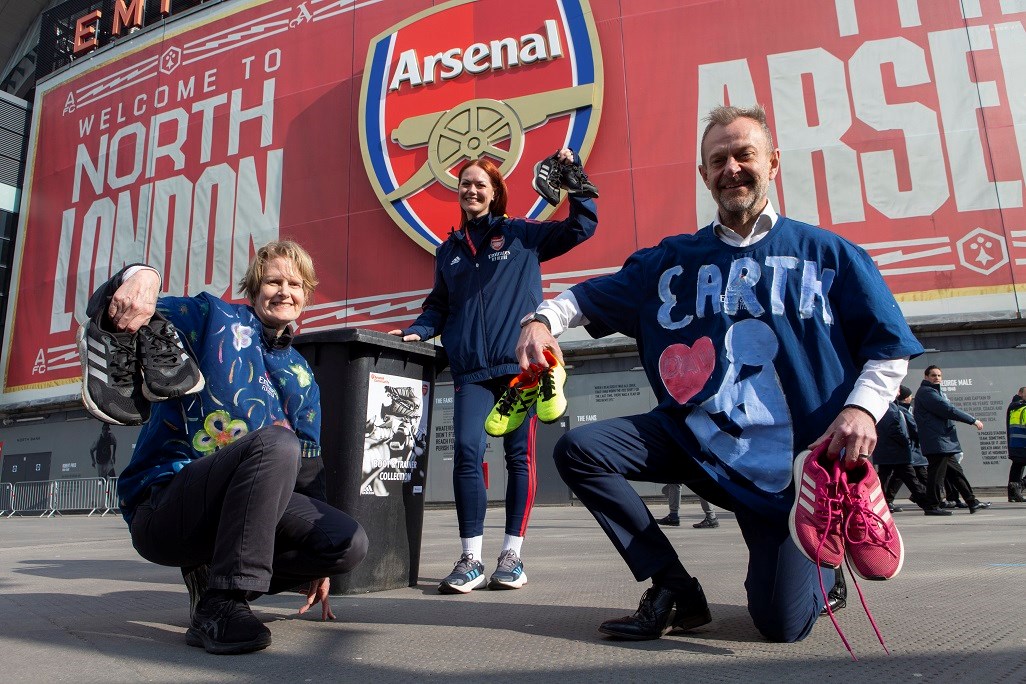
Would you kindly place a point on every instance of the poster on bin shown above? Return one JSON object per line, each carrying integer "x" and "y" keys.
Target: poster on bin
{"x": 901, "y": 125}
{"x": 395, "y": 435}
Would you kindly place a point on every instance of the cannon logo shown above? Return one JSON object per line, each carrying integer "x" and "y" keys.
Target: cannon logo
{"x": 471, "y": 79}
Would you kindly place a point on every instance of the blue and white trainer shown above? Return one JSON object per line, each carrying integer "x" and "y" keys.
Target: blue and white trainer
{"x": 466, "y": 576}
{"x": 509, "y": 574}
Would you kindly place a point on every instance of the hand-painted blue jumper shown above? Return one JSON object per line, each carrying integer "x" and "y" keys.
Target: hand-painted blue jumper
{"x": 250, "y": 383}
{"x": 754, "y": 349}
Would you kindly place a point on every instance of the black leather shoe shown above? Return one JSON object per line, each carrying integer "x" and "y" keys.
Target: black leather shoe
{"x": 668, "y": 522}
{"x": 660, "y": 611}
{"x": 973, "y": 507}
{"x": 692, "y": 610}
{"x": 837, "y": 597}
{"x": 936, "y": 511}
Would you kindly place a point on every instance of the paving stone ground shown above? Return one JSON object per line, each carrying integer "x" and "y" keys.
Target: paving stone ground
{"x": 77, "y": 604}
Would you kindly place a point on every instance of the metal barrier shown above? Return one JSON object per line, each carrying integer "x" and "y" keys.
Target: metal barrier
{"x": 83, "y": 494}
{"x": 54, "y": 497}
{"x": 35, "y": 497}
{"x": 6, "y": 499}
{"x": 112, "y": 496}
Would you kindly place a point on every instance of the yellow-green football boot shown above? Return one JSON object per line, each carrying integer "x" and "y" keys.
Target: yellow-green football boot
{"x": 510, "y": 411}
{"x": 551, "y": 399}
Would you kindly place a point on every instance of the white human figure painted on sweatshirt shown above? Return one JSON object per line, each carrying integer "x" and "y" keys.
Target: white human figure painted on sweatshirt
{"x": 747, "y": 424}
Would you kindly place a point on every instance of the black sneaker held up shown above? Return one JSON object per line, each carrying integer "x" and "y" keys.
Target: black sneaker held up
{"x": 111, "y": 378}
{"x": 167, "y": 369}
{"x": 546, "y": 181}
{"x": 575, "y": 180}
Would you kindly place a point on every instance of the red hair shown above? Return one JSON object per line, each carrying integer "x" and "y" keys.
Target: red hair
{"x": 499, "y": 192}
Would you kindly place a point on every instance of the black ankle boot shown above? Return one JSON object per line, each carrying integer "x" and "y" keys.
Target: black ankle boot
{"x": 1015, "y": 493}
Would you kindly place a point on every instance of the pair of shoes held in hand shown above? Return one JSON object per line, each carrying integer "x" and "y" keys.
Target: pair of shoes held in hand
{"x": 842, "y": 512}
{"x": 839, "y": 513}
{"x": 537, "y": 386}
{"x": 123, "y": 372}
{"x": 552, "y": 176}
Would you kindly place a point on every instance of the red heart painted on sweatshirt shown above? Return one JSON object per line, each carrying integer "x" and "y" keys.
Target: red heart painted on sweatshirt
{"x": 685, "y": 370}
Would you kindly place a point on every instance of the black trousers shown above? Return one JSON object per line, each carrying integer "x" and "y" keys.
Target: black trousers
{"x": 945, "y": 466}
{"x": 235, "y": 510}
{"x": 894, "y": 475}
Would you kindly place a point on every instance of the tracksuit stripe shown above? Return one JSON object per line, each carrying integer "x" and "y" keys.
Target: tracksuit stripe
{"x": 532, "y": 473}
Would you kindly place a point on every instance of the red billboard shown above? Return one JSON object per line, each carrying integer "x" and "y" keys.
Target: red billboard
{"x": 339, "y": 123}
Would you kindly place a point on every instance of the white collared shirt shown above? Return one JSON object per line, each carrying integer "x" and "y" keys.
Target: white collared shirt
{"x": 760, "y": 229}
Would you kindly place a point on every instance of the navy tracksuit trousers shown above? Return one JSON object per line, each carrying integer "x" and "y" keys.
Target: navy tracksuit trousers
{"x": 598, "y": 460}
{"x": 471, "y": 405}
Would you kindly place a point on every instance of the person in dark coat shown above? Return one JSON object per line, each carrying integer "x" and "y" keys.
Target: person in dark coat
{"x": 1016, "y": 422}
{"x": 935, "y": 417}
{"x": 897, "y": 439}
{"x": 919, "y": 462}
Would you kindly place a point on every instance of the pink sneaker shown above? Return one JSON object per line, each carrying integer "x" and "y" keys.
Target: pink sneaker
{"x": 874, "y": 546}
{"x": 816, "y": 516}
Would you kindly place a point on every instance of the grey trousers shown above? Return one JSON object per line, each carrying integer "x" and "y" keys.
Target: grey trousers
{"x": 672, "y": 492}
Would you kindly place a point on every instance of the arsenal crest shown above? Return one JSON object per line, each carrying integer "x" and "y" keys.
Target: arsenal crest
{"x": 471, "y": 79}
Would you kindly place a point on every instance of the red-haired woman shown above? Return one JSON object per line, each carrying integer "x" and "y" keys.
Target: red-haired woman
{"x": 487, "y": 277}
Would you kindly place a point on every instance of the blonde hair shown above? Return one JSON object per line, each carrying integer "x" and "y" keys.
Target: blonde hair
{"x": 285, "y": 249}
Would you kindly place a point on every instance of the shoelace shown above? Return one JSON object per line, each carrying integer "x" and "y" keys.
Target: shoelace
{"x": 840, "y": 496}
{"x": 515, "y": 392}
{"x": 161, "y": 349}
{"x": 548, "y": 386}
{"x": 464, "y": 564}
{"x": 864, "y": 526}
{"x": 508, "y": 560}
{"x": 122, "y": 368}
{"x": 510, "y": 398}
{"x": 831, "y": 509}
{"x": 555, "y": 172}
{"x": 576, "y": 173}
{"x": 646, "y": 608}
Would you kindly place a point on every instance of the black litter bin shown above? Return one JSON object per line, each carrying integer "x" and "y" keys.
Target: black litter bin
{"x": 376, "y": 393}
